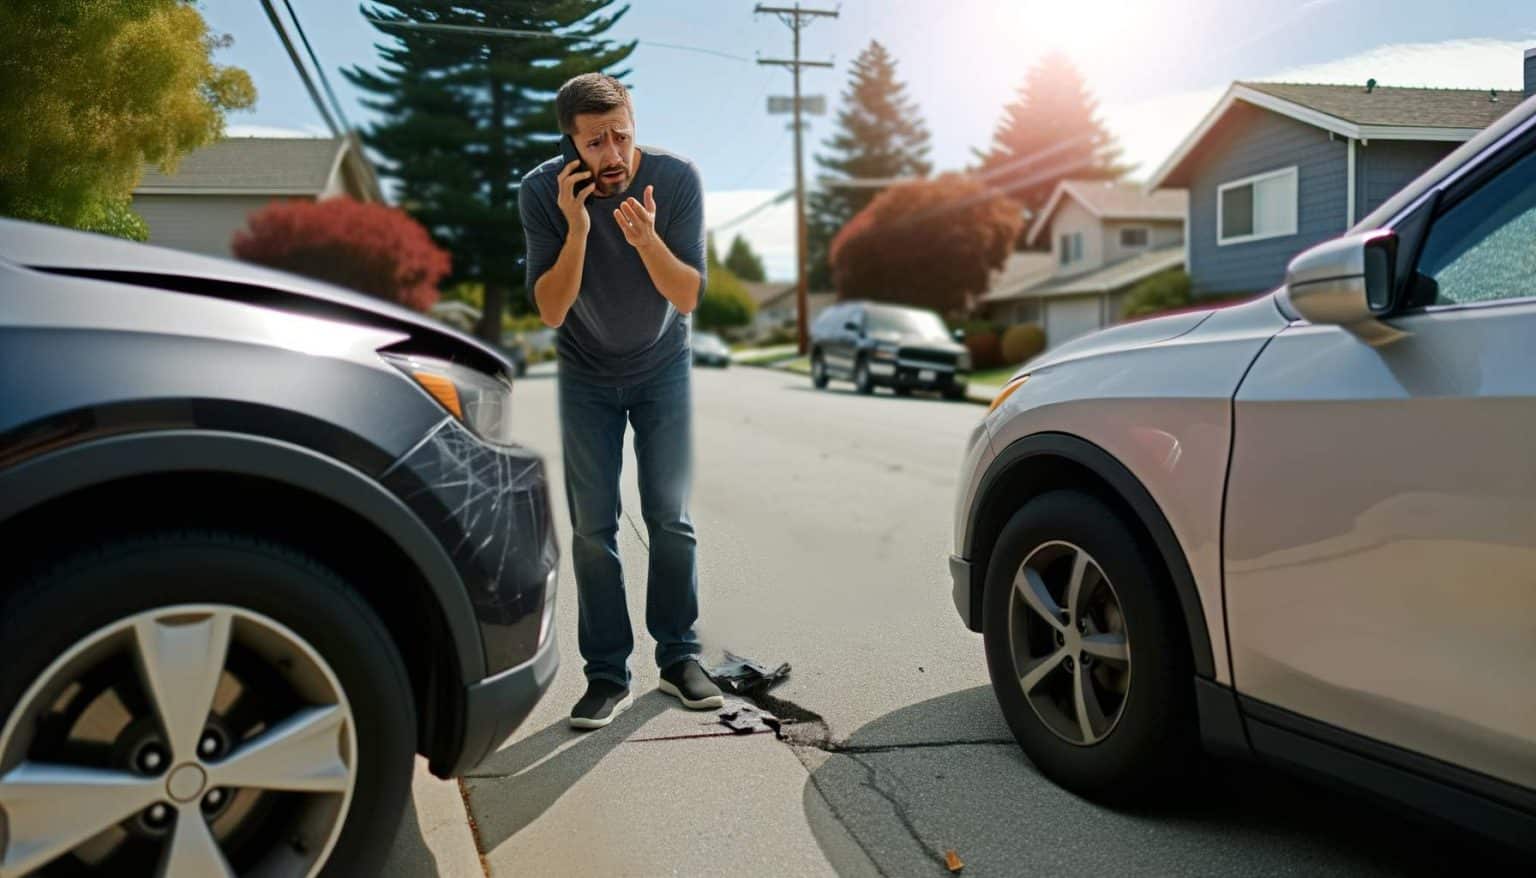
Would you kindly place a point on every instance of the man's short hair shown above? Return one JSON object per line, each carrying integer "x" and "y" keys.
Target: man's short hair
{"x": 589, "y": 93}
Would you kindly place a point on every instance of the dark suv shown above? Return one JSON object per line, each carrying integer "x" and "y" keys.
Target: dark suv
{"x": 265, "y": 539}
{"x": 878, "y": 345}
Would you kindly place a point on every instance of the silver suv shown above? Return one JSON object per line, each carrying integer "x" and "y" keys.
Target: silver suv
{"x": 1302, "y": 528}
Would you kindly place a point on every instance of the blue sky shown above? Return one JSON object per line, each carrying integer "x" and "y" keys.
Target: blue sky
{"x": 1156, "y": 66}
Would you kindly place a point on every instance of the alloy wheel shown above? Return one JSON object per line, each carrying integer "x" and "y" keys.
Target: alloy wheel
{"x": 190, "y": 740}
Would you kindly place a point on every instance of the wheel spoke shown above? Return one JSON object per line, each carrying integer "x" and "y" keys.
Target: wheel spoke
{"x": 1032, "y": 591}
{"x": 303, "y": 753}
{"x": 181, "y": 663}
{"x": 1075, "y": 585}
{"x": 50, "y": 809}
{"x": 1109, "y": 647}
{"x": 1090, "y": 717}
{"x": 193, "y": 851}
{"x": 1040, "y": 669}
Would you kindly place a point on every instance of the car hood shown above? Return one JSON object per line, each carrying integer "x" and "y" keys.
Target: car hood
{"x": 83, "y": 254}
{"x": 1122, "y": 337}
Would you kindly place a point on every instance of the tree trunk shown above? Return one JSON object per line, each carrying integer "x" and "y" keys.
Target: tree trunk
{"x": 489, "y": 327}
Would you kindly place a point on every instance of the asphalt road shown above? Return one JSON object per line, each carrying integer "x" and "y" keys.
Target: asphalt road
{"x": 824, "y": 522}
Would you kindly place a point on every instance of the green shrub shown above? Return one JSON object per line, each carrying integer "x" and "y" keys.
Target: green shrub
{"x": 1164, "y": 291}
{"x": 1022, "y": 342}
{"x": 726, "y": 302}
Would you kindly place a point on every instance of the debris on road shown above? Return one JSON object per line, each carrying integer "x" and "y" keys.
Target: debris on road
{"x": 952, "y": 860}
{"x": 744, "y": 719}
{"x": 745, "y": 677}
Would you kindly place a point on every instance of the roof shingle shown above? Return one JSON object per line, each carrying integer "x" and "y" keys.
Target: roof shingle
{"x": 256, "y": 164}
{"x": 1398, "y": 107}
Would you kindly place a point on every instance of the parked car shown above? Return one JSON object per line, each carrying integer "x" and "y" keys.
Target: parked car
{"x": 879, "y": 345}
{"x": 1299, "y": 528}
{"x": 710, "y": 350}
{"x": 265, "y": 540}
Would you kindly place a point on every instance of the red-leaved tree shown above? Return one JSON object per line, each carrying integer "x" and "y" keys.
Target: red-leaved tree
{"x": 929, "y": 243}
{"x": 372, "y": 248}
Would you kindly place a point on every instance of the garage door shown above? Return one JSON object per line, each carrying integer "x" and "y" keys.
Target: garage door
{"x": 1066, "y": 319}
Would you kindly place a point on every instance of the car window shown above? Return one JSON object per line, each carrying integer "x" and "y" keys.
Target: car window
{"x": 827, "y": 320}
{"x": 1484, "y": 248}
{"x": 908, "y": 322}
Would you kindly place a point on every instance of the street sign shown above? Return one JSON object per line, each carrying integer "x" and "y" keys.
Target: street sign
{"x": 813, "y": 105}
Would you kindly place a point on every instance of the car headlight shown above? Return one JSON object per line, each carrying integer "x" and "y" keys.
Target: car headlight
{"x": 1008, "y": 391}
{"x": 482, "y": 402}
{"x": 885, "y": 351}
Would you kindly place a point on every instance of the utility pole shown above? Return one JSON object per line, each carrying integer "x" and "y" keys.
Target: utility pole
{"x": 796, "y": 19}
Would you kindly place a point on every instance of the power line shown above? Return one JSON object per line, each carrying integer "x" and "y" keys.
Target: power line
{"x": 478, "y": 30}
{"x": 298, "y": 64}
{"x": 741, "y": 218}
{"x": 325, "y": 81}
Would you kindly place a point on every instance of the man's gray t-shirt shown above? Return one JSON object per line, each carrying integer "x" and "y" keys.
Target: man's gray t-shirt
{"x": 620, "y": 329}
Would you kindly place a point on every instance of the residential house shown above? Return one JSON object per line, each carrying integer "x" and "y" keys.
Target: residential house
{"x": 1277, "y": 167}
{"x": 207, "y": 199}
{"x": 776, "y": 307}
{"x": 1105, "y": 238}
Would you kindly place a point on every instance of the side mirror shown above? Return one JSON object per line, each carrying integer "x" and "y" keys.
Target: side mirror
{"x": 1349, "y": 282}
{"x": 852, "y": 326}
{"x": 959, "y": 335}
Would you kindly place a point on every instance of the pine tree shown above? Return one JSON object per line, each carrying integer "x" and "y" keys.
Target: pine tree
{"x": 1049, "y": 133}
{"x": 880, "y": 134}
{"x": 744, "y": 262}
{"x": 467, "y": 114}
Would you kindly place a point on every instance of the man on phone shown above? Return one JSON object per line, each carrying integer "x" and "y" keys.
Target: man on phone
{"x": 617, "y": 275}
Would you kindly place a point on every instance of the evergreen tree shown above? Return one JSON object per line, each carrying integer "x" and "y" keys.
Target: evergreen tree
{"x": 744, "y": 262}
{"x": 1050, "y": 133}
{"x": 468, "y": 113}
{"x": 880, "y": 133}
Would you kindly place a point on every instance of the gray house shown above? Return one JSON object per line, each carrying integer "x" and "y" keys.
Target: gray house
{"x": 1105, "y": 238}
{"x": 201, "y": 206}
{"x": 1278, "y": 167}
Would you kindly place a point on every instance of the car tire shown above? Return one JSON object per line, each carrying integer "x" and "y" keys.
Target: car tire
{"x": 863, "y": 382}
{"x": 284, "y": 611}
{"x": 1151, "y": 735}
{"x": 819, "y": 376}
{"x": 903, "y": 391}
{"x": 956, "y": 391}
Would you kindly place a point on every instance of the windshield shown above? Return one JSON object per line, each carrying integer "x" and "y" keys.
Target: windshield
{"x": 925, "y": 325}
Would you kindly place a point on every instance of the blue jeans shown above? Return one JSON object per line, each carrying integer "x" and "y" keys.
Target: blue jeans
{"x": 592, "y": 426}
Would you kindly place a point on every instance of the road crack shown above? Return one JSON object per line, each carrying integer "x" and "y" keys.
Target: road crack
{"x": 895, "y": 799}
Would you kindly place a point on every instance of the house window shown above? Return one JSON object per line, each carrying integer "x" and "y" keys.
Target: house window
{"x": 1135, "y": 238}
{"x": 1255, "y": 208}
{"x": 1071, "y": 248}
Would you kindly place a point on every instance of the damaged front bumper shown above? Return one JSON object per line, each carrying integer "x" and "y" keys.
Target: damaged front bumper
{"x": 489, "y": 506}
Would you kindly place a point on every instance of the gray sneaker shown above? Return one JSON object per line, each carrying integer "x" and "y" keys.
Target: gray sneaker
{"x": 604, "y": 701}
{"x": 688, "y": 683}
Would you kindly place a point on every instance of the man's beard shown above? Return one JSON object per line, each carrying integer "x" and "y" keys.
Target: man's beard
{"x": 608, "y": 190}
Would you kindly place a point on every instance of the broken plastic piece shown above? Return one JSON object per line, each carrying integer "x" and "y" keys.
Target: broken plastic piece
{"x": 952, "y": 860}
{"x": 743, "y": 676}
{"x": 744, "y": 719}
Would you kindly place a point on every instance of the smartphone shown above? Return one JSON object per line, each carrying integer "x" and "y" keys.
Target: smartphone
{"x": 569, "y": 154}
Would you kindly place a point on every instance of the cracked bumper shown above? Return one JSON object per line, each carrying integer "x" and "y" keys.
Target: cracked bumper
{"x": 489, "y": 506}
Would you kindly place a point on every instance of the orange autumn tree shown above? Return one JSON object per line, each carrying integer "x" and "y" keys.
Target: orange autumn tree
{"x": 928, "y": 243}
{"x": 371, "y": 248}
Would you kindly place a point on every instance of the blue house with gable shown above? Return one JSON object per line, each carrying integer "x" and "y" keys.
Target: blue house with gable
{"x": 1277, "y": 167}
